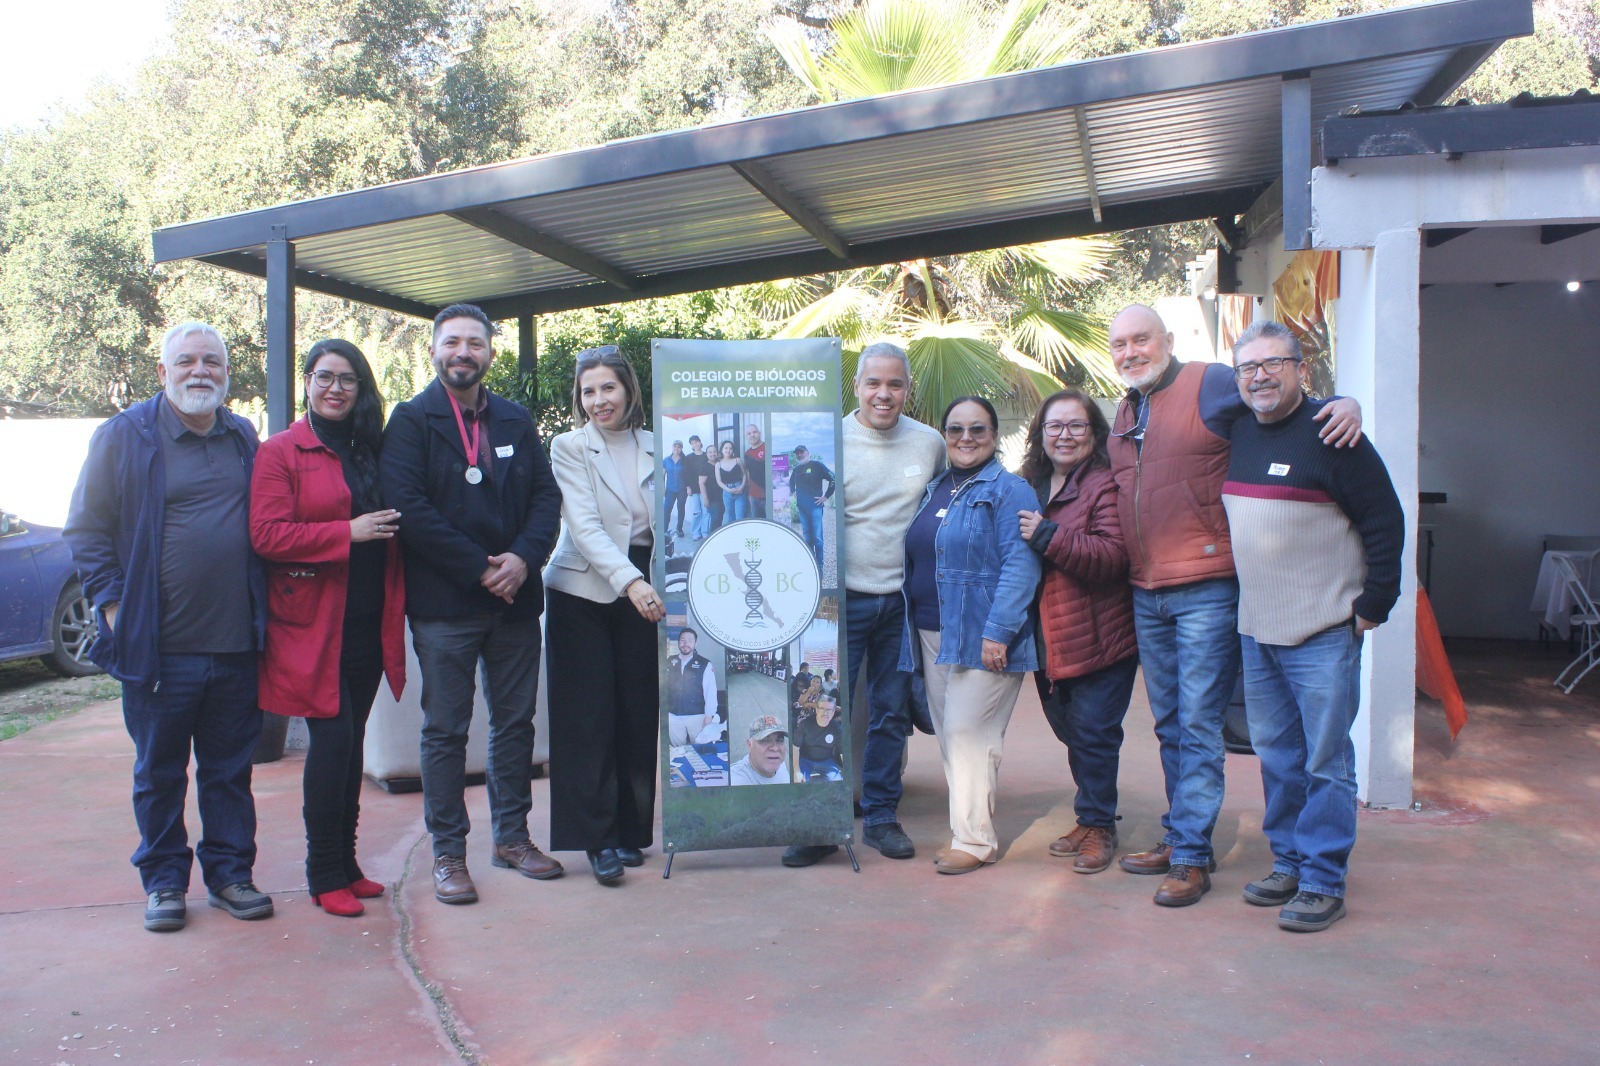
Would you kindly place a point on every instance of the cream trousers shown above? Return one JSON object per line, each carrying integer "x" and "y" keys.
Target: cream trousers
{"x": 971, "y": 709}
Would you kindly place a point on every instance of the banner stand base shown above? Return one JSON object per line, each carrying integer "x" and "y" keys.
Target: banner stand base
{"x": 849, "y": 849}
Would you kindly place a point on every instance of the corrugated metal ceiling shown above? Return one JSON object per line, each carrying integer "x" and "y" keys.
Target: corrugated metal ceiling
{"x": 916, "y": 173}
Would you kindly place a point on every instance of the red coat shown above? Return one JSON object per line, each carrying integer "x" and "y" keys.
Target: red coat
{"x": 1086, "y": 606}
{"x": 300, "y": 524}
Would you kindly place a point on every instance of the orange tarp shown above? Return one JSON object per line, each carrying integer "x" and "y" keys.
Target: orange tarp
{"x": 1434, "y": 676}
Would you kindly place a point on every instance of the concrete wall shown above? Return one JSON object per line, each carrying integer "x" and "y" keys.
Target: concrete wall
{"x": 1510, "y": 429}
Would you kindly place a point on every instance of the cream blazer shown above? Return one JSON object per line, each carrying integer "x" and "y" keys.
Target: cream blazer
{"x": 591, "y": 558}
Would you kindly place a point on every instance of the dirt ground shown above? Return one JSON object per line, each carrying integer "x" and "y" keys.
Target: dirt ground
{"x": 30, "y": 695}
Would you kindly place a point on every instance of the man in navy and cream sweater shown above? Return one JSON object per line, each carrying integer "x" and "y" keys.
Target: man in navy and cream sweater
{"x": 1317, "y": 534}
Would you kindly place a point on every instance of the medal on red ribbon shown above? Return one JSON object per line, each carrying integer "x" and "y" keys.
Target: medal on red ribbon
{"x": 474, "y": 475}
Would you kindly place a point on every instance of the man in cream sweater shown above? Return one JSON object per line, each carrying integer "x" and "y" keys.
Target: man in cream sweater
{"x": 888, "y": 461}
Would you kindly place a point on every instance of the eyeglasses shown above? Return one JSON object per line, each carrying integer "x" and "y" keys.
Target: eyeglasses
{"x": 979, "y": 431}
{"x": 1071, "y": 429}
{"x": 326, "y": 378}
{"x": 1246, "y": 371}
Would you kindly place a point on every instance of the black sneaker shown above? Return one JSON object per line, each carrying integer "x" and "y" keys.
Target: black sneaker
{"x": 1273, "y": 890}
{"x": 1310, "y": 912}
{"x": 243, "y": 900}
{"x": 890, "y": 840}
{"x": 807, "y": 854}
{"x": 165, "y": 912}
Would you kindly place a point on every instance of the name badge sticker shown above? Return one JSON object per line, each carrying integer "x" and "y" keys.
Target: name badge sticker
{"x": 505, "y": 451}
{"x": 1278, "y": 470}
{"x": 914, "y": 470}
{"x": 941, "y": 512}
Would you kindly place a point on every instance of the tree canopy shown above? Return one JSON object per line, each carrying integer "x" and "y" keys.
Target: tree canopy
{"x": 256, "y": 102}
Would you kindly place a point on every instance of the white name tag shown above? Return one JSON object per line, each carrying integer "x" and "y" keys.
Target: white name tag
{"x": 913, "y": 470}
{"x": 505, "y": 450}
{"x": 941, "y": 512}
{"x": 1278, "y": 469}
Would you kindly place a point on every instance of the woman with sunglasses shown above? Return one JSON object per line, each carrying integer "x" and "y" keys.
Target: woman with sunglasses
{"x": 600, "y": 627}
{"x": 1085, "y": 612}
{"x": 335, "y": 601}
{"x": 969, "y": 581}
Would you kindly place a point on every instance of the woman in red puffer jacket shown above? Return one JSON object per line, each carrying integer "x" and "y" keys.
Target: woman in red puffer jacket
{"x": 1085, "y": 612}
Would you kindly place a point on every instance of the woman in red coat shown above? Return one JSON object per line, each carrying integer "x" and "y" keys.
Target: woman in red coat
{"x": 335, "y": 600}
{"x": 1085, "y": 612}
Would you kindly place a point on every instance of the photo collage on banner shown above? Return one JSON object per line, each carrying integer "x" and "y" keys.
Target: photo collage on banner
{"x": 748, "y": 439}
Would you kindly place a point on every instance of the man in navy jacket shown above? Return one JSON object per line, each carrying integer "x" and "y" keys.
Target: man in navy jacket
{"x": 481, "y": 511}
{"x": 159, "y": 529}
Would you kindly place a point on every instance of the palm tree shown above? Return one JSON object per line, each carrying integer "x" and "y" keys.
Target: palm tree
{"x": 990, "y": 323}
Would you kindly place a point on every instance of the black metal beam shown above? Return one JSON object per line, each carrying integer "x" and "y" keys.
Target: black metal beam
{"x": 1225, "y": 203}
{"x": 1273, "y": 53}
{"x": 1435, "y": 237}
{"x": 1453, "y": 130}
{"x": 1296, "y": 133}
{"x": 1457, "y": 69}
{"x": 785, "y": 200}
{"x": 280, "y": 334}
{"x": 1555, "y": 233}
{"x": 255, "y": 266}
{"x": 527, "y": 346}
{"x": 1086, "y": 154}
{"x": 509, "y": 229}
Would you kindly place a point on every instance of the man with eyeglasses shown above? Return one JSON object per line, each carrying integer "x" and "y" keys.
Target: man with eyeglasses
{"x": 1317, "y": 535}
{"x": 1169, "y": 454}
{"x": 482, "y": 511}
{"x": 159, "y": 530}
{"x": 889, "y": 459}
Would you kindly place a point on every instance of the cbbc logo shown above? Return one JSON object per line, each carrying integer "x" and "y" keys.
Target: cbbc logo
{"x": 797, "y": 581}
{"x": 754, "y": 585}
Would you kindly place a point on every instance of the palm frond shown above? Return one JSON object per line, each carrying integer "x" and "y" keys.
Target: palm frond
{"x": 839, "y": 313}
{"x": 1060, "y": 339}
{"x": 789, "y": 38}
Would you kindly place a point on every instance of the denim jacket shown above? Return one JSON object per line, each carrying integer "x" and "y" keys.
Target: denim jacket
{"x": 985, "y": 573}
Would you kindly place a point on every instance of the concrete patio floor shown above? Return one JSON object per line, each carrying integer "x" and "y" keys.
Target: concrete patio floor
{"x": 1468, "y": 939}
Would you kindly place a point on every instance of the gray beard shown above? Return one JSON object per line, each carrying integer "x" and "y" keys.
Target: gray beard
{"x": 196, "y": 403}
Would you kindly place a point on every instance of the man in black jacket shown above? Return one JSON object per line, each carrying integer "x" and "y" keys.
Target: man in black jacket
{"x": 481, "y": 510}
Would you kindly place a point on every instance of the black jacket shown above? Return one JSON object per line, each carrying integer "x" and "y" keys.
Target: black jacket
{"x": 448, "y": 527}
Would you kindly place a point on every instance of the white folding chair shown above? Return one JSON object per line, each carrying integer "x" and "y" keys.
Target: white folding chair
{"x": 1585, "y": 626}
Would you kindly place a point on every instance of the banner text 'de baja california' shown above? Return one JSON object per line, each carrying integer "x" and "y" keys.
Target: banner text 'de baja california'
{"x": 751, "y": 561}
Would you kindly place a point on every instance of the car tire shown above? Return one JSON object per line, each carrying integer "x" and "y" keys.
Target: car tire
{"x": 73, "y": 629}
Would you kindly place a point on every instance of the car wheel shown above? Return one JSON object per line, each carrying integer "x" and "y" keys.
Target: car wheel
{"x": 74, "y": 630}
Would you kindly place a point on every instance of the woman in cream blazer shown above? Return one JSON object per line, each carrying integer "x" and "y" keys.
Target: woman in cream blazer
{"x": 600, "y": 624}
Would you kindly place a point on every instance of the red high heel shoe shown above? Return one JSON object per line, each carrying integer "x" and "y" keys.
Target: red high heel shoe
{"x": 366, "y": 888}
{"x": 341, "y": 902}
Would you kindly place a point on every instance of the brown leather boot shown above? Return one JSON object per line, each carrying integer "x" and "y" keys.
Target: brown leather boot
{"x": 451, "y": 882}
{"x": 1182, "y": 886}
{"x": 526, "y": 858}
{"x": 1095, "y": 853}
{"x": 1069, "y": 844}
{"x": 1155, "y": 861}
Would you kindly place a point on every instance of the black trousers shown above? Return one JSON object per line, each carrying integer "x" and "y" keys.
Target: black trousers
{"x": 334, "y": 761}
{"x": 604, "y": 724}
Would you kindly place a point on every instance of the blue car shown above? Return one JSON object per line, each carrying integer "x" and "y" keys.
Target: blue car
{"x": 43, "y": 611}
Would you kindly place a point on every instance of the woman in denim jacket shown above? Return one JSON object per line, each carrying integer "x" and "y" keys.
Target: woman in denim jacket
{"x": 969, "y": 582}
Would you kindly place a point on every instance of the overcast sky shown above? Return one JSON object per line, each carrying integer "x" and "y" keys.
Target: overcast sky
{"x": 57, "y": 49}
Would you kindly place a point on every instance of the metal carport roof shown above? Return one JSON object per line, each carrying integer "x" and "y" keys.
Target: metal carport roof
{"x": 1178, "y": 133}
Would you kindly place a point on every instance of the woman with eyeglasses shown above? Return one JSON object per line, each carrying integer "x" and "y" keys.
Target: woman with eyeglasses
{"x": 969, "y": 581}
{"x": 1085, "y": 612}
{"x": 600, "y": 629}
{"x": 335, "y": 601}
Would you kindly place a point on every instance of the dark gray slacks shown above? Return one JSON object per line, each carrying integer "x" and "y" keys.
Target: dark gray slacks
{"x": 449, "y": 651}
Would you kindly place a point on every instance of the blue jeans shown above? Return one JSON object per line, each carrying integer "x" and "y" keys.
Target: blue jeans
{"x": 1086, "y": 715}
{"x": 825, "y": 769}
{"x": 873, "y": 628}
{"x": 448, "y": 653}
{"x": 699, "y": 517}
{"x": 207, "y": 702}
{"x": 735, "y": 507}
{"x": 1301, "y": 702}
{"x": 811, "y": 525}
{"x": 675, "y": 498}
{"x": 1189, "y": 648}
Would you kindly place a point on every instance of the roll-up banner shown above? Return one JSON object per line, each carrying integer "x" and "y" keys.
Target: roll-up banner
{"x": 751, "y": 563}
